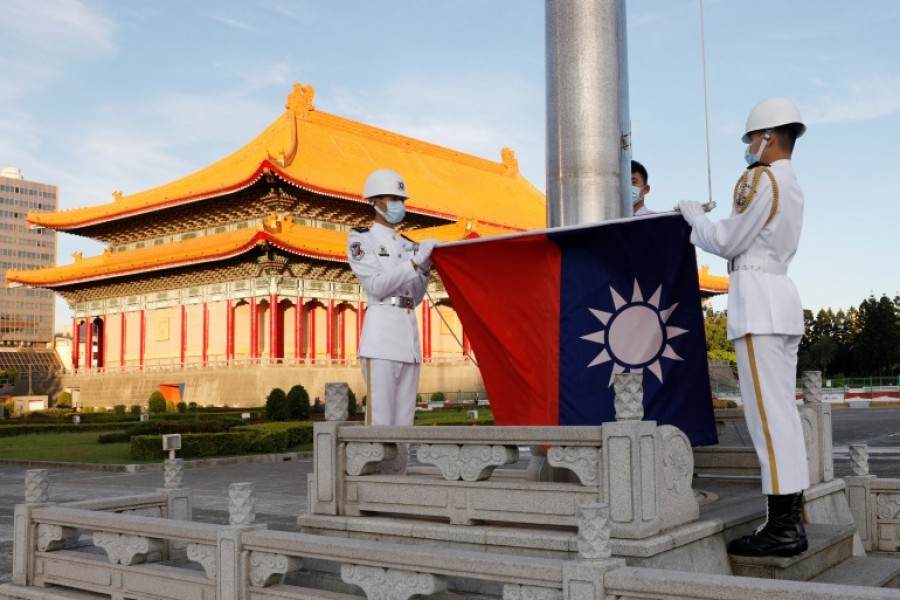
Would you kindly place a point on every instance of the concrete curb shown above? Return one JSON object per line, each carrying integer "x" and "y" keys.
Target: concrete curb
{"x": 144, "y": 467}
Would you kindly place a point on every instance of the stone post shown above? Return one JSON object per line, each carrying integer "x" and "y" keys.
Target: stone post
{"x": 231, "y": 561}
{"x": 630, "y": 464}
{"x": 583, "y": 577}
{"x": 815, "y": 417}
{"x": 178, "y": 502}
{"x": 860, "y": 496}
{"x": 37, "y": 495}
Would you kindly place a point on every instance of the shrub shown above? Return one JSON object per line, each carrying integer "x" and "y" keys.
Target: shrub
{"x": 192, "y": 406}
{"x": 170, "y": 406}
{"x": 119, "y": 409}
{"x": 418, "y": 398}
{"x": 352, "y": 409}
{"x": 277, "y": 405}
{"x": 437, "y": 397}
{"x": 181, "y": 406}
{"x": 157, "y": 403}
{"x": 298, "y": 403}
{"x": 64, "y": 399}
{"x": 87, "y": 409}
{"x": 135, "y": 409}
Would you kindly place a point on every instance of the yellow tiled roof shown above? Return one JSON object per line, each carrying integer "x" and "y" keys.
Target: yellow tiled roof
{"x": 713, "y": 284}
{"x": 331, "y": 155}
{"x": 297, "y": 239}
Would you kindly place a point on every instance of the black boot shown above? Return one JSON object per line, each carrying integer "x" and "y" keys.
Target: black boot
{"x": 781, "y": 535}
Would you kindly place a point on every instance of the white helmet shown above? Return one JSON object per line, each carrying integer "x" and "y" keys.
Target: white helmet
{"x": 772, "y": 113}
{"x": 384, "y": 182}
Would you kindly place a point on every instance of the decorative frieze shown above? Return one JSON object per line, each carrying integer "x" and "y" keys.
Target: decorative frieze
{"x": 584, "y": 461}
{"x": 54, "y": 537}
{"x": 859, "y": 459}
{"x": 204, "y": 554}
{"x": 173, "y": 473}
{"x": 469, "y": 462}
{"x": 268, "y": 568}
{"x": 337, "y": 401}
{"x": 888, "y": 506}
{"x": 125, "y": 549}
{"x": 363, "y": 457}
{"x": 812, "y": 387}
{"x": 392, "y": 584}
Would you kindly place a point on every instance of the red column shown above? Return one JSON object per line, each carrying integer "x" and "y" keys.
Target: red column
{"x": 76, "y": 342}
{"x": 89, "y": 343}
{"x": 143, "y": 341}
{"x": 467, "y": 346}
{"x": 342, "y": 330}
{"x": 183, "y": 334}
{"x": 205, "y": 351}
{"x": 426, "y": 332}
{"x": 329, "y": 330}
{"x": 311, "y": 315}
{"x": 254, "y": 329}
{"x": 229, "y": 330}
{"x": 101, "y": 341}
{"x": 273, "y": 326}
{"x": 122, "y": 344}
{"x": 298, "y": 329}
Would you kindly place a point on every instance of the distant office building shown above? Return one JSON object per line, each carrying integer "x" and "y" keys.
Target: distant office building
{"x": 26, "y": 314}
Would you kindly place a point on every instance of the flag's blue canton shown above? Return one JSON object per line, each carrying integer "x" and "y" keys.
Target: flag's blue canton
{"x": 657, "y": 254}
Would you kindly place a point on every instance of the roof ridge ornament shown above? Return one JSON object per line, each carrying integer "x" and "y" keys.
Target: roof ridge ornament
{"x": 117, "y": 196}
{"x": 300, "y": 100}
{"x": 510, "y": 162}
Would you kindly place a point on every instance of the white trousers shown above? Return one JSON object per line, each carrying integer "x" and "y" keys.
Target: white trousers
{"x": 767, "y": 369}
{"x": 391, "y": 387}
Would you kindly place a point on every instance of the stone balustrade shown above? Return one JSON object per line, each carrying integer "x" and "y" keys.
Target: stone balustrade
{"x": 640, "y": 470}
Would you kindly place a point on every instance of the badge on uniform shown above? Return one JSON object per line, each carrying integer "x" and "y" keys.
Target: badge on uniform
{"x": 382, "y": 251}
{"x": 356, "y": 251}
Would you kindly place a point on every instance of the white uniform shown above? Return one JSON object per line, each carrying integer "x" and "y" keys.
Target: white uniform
{"x": 390, "y": 350}
{"x": 765, "y": 316}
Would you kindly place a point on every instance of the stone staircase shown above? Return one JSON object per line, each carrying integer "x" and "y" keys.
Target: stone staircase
{"x": 829, "y": 559}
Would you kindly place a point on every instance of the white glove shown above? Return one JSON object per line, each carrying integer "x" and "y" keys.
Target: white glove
{"x": 423, "y": 254}
{"x": 690, "y": 210}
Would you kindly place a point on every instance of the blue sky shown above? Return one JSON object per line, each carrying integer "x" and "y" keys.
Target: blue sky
{"x": 97, "y": 96}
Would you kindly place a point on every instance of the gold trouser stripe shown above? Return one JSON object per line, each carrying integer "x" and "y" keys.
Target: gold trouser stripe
{"x": 773, "y": 468}
{"x": 369, "y": 402}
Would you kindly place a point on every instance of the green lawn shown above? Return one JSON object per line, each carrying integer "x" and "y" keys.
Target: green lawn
{"x": 64, "y": 447}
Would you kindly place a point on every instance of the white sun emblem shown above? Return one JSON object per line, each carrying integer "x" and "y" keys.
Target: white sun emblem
{"x": 636, "y": 334}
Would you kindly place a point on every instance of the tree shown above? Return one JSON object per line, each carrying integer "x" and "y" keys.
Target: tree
{"x": 156, "y": 403}
{"x": 822, "y": 352}
{"x": 277, "y": 406}
{"x": 877, "y": 345}
{"x": 298, "y": 403}
{"x": 715, "y": 326}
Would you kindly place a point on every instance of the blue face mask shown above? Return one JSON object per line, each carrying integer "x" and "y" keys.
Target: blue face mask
{"x": 636, "y": 194}
{"x": 396, "y": 210}
{"x": 755, "y": 158}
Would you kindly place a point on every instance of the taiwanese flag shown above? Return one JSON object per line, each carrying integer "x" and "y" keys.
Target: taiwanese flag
{"x": 553, "y": 315}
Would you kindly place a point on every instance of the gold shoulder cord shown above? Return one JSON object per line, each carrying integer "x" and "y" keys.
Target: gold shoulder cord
{"x": 745, "y": 191}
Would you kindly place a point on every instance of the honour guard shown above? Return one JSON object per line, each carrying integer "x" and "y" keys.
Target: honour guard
{"x": 765, "y": 316}
{"x": 394, "y": 272}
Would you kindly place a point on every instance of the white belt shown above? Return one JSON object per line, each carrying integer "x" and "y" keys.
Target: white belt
{"x": 756, "y": 263}
{"x": 398, "y": 301}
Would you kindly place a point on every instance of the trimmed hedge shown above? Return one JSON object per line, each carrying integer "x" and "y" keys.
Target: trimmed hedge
{"x": 265, "y": 438}
{"x": 167, "y": 426}
{"x": 29, "y": 428}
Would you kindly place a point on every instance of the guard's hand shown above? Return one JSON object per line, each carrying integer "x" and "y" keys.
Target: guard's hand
{"x": 691, "y": 210}
{"x": 423, "y": 254}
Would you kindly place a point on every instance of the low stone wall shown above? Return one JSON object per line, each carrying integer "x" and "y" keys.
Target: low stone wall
{"x": 248, "y": 385}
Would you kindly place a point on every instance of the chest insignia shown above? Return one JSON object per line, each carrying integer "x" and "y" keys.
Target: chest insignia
{"x": 382, "y": 251}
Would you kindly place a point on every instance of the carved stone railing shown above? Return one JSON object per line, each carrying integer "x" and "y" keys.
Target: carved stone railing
{"x": 640, "y": 470}
{"x": 246, "y": 561}
{"x": 815, "y": 417}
